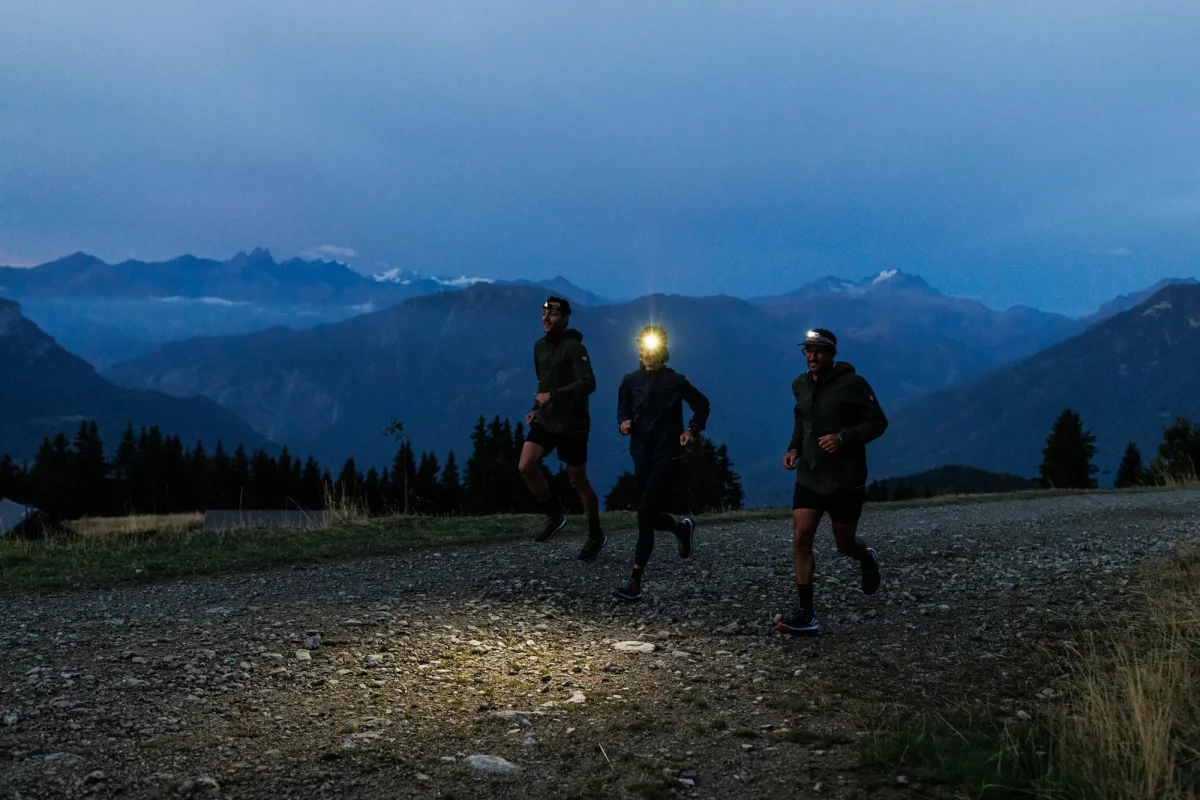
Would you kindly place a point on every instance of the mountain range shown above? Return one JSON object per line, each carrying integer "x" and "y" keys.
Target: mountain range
{"x": 47, "y": 390}
{"x": 325, "y": 377}
{"x": 1128, "y": 377}
{"x": 107, "y": 313}
{"x": 440, "y": 361}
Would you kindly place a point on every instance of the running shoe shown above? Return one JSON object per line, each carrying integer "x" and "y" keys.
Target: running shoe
{"x": 686, "y": 529}
{"x": 629, "y": 590}
{"x": 592, "y": 547}
{"x": 800, "y": 624}
{"x": 870, "y": 575}
{"x": 553, "y": 525}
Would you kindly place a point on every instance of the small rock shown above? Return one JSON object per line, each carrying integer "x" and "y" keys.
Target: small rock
{"x": 200, "y": 787}
{"x": 902, "y": 780}
{"x": 634, "y": 647}
{"x": 10, "y": 720}
{"x": 687, "y": 781}
{"x": 421, "y": 776}
{"x": 303, "y": 655}
{"x": 372, "y": 661}
{"x": 313, "y": 642}
{"x": 493, "y": 765}
{"x": 577, "y": 698}
{"x": 1023, "y": 716}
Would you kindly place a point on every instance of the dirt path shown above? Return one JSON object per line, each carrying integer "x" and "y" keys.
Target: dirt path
{"x": 508, "y": 651}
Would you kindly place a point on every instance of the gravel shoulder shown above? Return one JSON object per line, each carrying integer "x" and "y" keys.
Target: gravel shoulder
{"x": 217, "y": 686}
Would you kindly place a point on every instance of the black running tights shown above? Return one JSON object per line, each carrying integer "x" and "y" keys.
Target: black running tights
{"x": 655, "y": 484}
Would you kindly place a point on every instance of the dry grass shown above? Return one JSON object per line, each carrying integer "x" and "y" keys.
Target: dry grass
{"x": 1132, "y": 723}
{"x": 1128, "y": 726}
{"x": 143, "y": 523}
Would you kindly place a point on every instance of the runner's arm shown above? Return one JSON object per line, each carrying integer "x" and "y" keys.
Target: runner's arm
{"x": 699, "y": 405}
{"x": 624, "y": 402}
{"x": 798, "y": 426}
{"x": 872, "y": 421}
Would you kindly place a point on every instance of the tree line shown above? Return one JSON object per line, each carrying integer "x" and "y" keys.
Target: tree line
{"x": 154, "y": 473}
{"x": 1067, "y": 458}
{"x": 1068, "y": 462}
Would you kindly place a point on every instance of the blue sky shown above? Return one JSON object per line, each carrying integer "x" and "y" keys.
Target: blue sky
{"x": 1042, "y": 153}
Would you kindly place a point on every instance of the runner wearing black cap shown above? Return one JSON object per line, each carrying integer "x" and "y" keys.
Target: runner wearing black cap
{"x": 650, "y": 411}
{"x": 836, "y": 415}
{"x": 560, "y": 420}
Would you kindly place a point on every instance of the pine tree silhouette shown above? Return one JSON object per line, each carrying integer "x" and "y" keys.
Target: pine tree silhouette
{"x": 449, "y": 487}
{"x": 1129, "y": 473}
{"x": 1067, "y": 456}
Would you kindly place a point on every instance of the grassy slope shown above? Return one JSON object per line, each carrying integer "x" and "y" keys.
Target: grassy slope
{"x": 142, "y": 557}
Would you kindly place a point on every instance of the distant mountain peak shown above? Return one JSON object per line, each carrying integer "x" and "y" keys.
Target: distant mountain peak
{"x": 259, "y": 256}
{"x": 888, "y": 280}
{"x": 895, "y": 279}
{"x": 407, "y": 277}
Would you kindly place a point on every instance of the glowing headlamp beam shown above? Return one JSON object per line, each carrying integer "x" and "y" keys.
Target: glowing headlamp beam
{"x": 651, "y": 342}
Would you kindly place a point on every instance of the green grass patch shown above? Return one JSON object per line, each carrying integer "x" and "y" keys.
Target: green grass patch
{"x": 975, "y": 754}
{"x": 95, "y": 562}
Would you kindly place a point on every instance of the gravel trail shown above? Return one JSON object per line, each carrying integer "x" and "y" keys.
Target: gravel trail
{"x": 495, "y": 672}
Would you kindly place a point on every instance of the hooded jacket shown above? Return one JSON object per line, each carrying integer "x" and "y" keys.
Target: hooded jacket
{"x": 841, "y": 402}
{"x": 654, "y": 400}
{"x": 563, "y": 369}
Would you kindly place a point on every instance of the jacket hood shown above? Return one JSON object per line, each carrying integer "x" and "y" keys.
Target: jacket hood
{"x": 571, "y": 332}
{"x": 838, "y": 369}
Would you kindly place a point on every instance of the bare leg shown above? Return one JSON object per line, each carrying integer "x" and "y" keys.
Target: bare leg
{"x": 849, "y": 543}
{"x": 804, "y": 530}
{"x": 530, "y": 467}
{"x": 591, "y": 503}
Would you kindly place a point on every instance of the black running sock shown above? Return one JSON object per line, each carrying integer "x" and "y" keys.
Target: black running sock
{"x": 553, "y": 507}
{"x": 594, "y": 527}
{"x": 805, "y": 590}
{"x": 637, "y": 574}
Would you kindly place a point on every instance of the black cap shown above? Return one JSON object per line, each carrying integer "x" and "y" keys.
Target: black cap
{"x": 820, "y": 337}
{"x": 562, "y": 305}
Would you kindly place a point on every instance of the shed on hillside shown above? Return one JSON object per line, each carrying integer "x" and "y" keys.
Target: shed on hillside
{"x": 19, "y": 521}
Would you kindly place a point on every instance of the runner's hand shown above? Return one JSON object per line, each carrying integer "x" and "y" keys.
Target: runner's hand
{"x": 830, "y": 442}
{"x": 626, "y": 427}
{"x": 529, "y": 418}
{"x": 541, "y": 398}
{"x": 789, "y": 461}
{"x": 686, "y": 438}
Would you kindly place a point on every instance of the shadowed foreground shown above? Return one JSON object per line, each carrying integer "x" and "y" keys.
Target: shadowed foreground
{"x": 508, "y": 650}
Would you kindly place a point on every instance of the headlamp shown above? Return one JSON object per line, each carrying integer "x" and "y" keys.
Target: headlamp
{"x": 651, "y": 342}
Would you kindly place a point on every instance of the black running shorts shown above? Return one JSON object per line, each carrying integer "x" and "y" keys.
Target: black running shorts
{"x": 572, "y": 447}
{"x": 843, "y": 507}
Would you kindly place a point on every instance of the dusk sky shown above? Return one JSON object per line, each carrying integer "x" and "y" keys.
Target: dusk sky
{"x": 1043, "y": 153}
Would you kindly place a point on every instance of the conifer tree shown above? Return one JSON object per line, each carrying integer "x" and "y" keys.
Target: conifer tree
{"x": 1067, "y": 456}
{"x": 450, "y": 490}
{"x": 1129, "y": 473}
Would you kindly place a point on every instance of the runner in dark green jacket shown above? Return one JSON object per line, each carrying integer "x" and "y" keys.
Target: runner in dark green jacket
{"x": 836, "y": 415}
{"x": 560, "y": 420}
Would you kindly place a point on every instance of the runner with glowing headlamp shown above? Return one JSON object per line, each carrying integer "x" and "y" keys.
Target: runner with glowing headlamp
{"x": 650, "y": 411}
